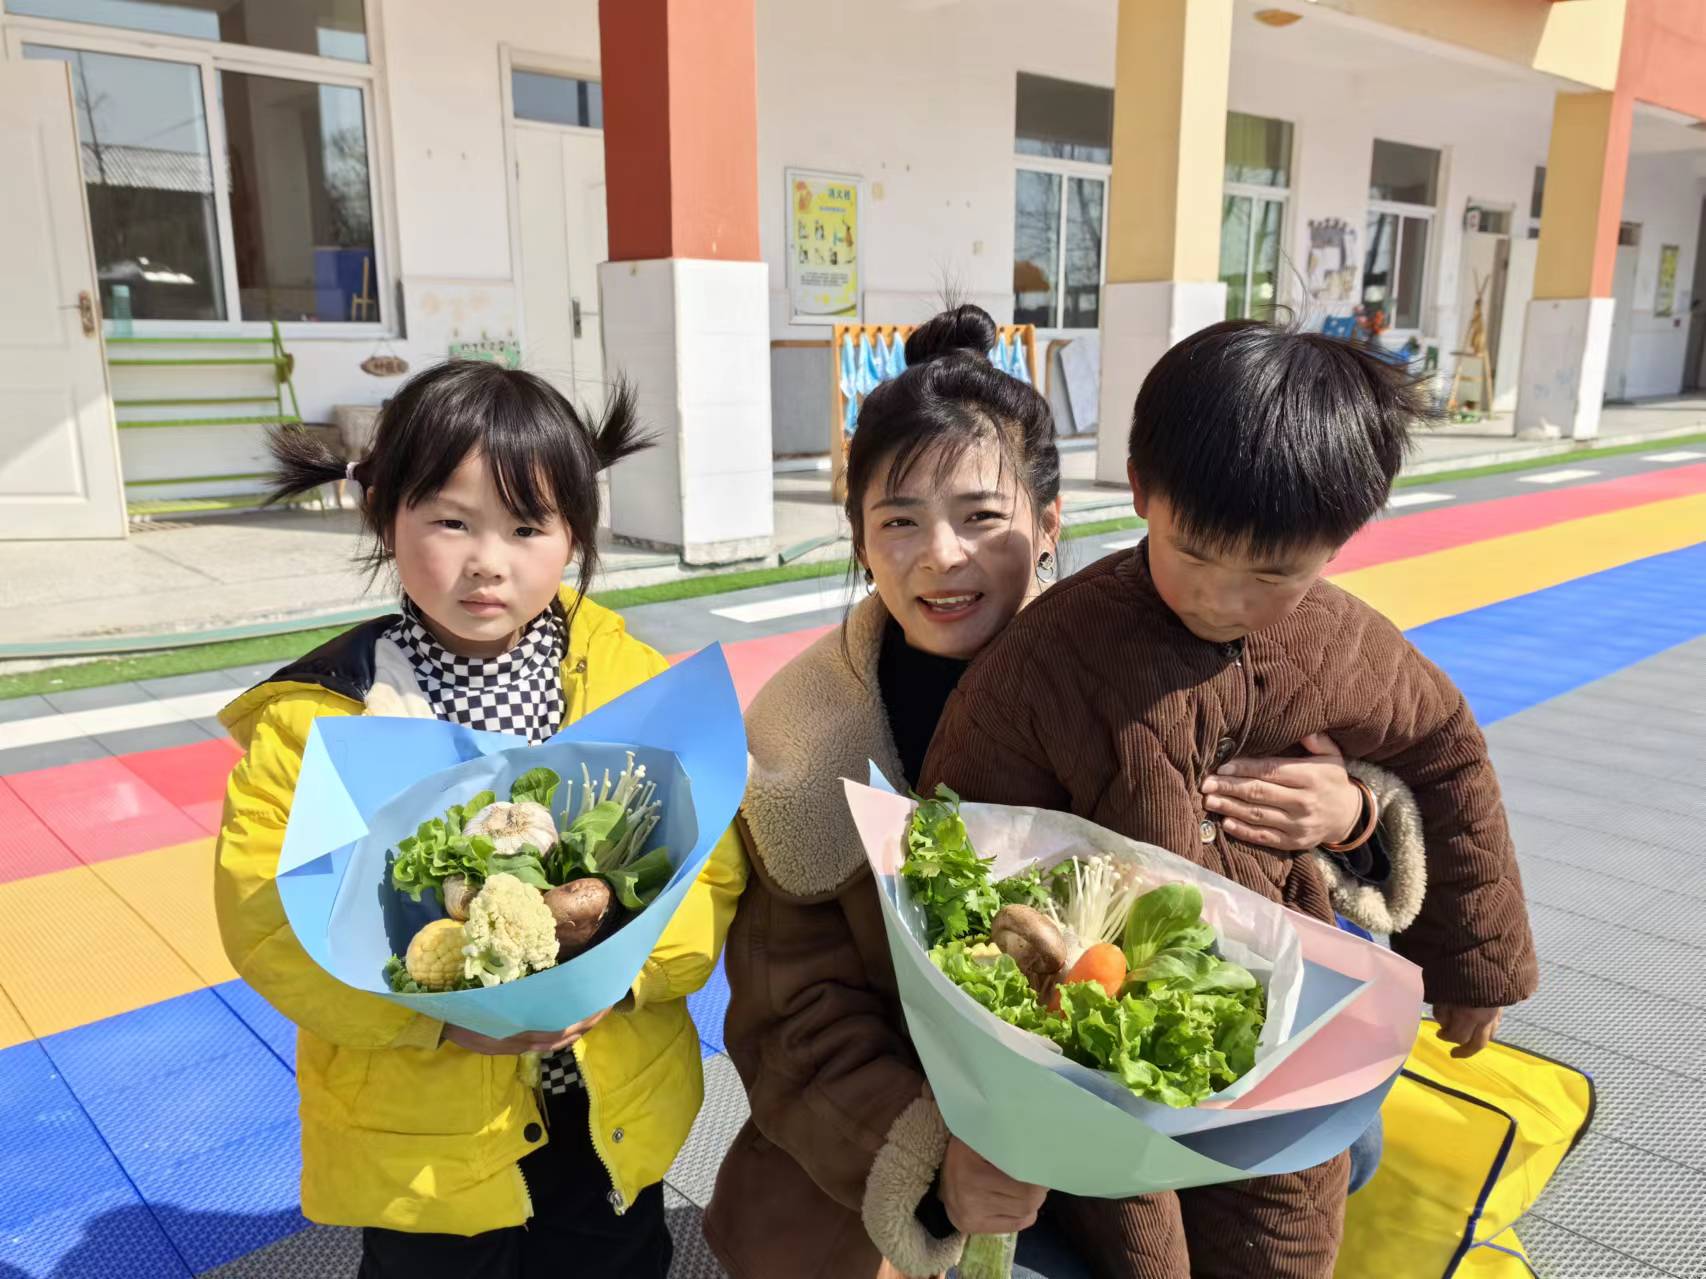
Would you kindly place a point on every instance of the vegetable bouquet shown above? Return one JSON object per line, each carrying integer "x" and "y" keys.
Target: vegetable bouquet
{"x": 1105, "y": 1018}
{"x": 504, "y": 886}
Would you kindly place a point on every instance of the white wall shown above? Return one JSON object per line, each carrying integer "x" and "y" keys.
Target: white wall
{"x": 1338, "y": 112}
{"x": 1663, "y": 194}
{"x": 442, "y": 111}
{"x": 917, "y": 99}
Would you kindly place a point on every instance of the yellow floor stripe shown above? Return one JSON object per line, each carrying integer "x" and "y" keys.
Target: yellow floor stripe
{"x": 172, "y": 888}
{"x": 73, "y": 951}
{"x": 12, "y": 1027}
{"x": 1445, "y": 583}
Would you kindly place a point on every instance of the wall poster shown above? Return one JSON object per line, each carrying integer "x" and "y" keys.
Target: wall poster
{"x": 1664, "y": 297}
{"x": 823, "y": 247}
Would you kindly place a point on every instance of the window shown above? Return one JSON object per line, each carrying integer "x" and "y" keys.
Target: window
{"x": 1402, "y": 195}
{"x": 301, "y": 216}
{"x": 556, "y": 99}
{"x": 1252, "y": 214}
{"x": 323, "y": 28}
{"x": 1064, "y": 134}
{"x": 283, "y": 226}
{"x": 142, "y": 129}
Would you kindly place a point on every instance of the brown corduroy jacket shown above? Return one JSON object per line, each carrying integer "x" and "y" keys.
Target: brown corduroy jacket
{"x": 1097, "y": 700}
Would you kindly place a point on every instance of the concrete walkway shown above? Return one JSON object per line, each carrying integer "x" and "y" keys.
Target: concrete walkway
{"x": 200, "y": 574}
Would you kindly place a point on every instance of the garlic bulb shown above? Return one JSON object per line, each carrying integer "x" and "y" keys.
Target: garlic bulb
{"x": 510, "y": 826}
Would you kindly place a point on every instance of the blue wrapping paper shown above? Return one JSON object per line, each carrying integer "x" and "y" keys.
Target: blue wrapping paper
{"x": 366, "y": 782}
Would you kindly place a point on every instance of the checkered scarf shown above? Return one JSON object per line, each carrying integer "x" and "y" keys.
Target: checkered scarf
{"x": 518, "y": 692}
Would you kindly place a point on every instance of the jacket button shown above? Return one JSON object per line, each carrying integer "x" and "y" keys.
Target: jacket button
{"x": 1223, "y": 750}
{"x": 533, "y": 1132}
{"x": 1205, "y": 832}
{"x": 617, "y": 1135}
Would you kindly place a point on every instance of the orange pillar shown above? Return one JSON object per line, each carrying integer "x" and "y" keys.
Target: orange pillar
{"x": 680, "y": 128}
{"x": 686, "y": 298}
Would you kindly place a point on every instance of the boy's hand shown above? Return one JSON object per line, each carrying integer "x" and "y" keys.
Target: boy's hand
{"x": 1471, "y": 1029}
{"x": 1289, "y": 803}
{"x": 983, "y": 1200}
{"x": 543, "y": 1042}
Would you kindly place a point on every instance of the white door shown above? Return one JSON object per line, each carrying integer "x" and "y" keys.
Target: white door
{"x": 560, "y": 196}
{"x": 59, "y": 469}
{"x": 1622, "y": 320}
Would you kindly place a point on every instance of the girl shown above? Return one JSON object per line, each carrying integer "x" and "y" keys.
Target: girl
{"x": 845, "y": 1168}
{"x": 480, "y": 490}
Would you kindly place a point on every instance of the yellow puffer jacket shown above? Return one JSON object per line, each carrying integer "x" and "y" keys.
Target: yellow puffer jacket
{"x": 398, "y": 1131}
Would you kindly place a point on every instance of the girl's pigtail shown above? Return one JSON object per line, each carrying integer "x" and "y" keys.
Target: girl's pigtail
{"x": 301, "y": 462}
{"x": 618, "y": 433}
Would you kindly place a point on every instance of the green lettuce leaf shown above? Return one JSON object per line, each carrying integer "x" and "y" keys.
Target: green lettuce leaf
{"x": 524, "y": 864}
{"x": 536, "y": 785}
{"x": 995, "y": 982}
{"x": 642, "y": 879}
{"x": 1157, "y": 918}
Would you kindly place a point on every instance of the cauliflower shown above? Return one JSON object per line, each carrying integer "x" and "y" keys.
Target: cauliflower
{"x": 510, "y": 932}
{"x": 435, "y": 956}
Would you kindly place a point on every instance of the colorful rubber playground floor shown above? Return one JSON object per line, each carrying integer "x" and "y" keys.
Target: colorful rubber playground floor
{"x": 147, "y": 1106}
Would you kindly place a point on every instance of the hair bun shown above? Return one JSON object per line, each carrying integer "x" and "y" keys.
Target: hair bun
{"x": 964, "y": 328}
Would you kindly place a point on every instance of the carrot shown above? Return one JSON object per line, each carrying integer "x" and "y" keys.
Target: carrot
{"x": 1103, "y": 963}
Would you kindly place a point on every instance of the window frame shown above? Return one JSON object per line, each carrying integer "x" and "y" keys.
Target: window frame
{"x": 1064, "y": 170}
{"x": 1276, "y": 195}
{"x": 210, "y": 58}
{"x": 1426, "y": 306}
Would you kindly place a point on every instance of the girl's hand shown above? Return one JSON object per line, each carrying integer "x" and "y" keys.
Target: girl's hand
{"x": 543, "y": 1042}
{"x": 1288, "y": 803}
{"x": 983, "y": 1200}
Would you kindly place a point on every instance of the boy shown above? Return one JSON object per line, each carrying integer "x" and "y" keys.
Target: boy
{"x": 1255, "y": 454}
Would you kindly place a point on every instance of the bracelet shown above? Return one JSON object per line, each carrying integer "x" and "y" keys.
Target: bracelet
{"x": 1371, "y": 819}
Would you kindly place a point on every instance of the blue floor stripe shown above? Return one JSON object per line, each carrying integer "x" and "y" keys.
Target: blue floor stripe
{"x": 1510, "y": 656}
{"x": 167, "y": 1136}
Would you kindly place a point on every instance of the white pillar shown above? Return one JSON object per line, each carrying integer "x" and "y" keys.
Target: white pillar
{"x": 1140, "y": 322}
{"x": 1565, "y": 348}
{"x": 694, "y": 337}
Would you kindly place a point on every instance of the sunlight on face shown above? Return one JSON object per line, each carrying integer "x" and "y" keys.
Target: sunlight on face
{"x": 1221, "y": 593}
{"x": 954, "y": 555}
{"x": 477, "y": 572}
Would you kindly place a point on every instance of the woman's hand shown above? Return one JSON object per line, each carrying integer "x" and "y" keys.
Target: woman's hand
{"x": 544, "y": 1042}
{"x": 1291, "y": 803}
{"x": 983, "y": 1200}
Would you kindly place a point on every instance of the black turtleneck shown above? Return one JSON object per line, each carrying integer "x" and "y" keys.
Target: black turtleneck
{"x": 915, "y": 688}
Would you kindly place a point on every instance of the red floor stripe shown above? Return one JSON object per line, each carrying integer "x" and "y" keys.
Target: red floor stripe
{"x": 99, "y": 809}
{"x": 1445, "y": 527}
{"x": 752, "y": 662}
{"x": 27, "y": 846}
{"x": 191, "y": 777}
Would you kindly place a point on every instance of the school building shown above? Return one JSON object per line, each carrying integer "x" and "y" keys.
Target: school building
{"x": 221, "y": 214}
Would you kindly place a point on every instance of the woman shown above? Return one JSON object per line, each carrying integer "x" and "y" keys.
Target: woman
{"x": 845, "y": 1168}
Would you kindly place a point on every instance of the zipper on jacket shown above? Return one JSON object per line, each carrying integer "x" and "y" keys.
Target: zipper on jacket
{"x": 526, "y": 1194}
{"x": 618, "y": 1203}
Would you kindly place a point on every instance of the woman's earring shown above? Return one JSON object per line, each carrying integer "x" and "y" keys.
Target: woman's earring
{"x": 870, "y": 581}
{"x": 1047, "y": 567}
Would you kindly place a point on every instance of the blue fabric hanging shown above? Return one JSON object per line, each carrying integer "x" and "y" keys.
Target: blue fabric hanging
{"x": 849, "y": 384}
{"x": 871, "y": 367}
{"x": 897, "y": 355}
{"x": 1019, "y": 367}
